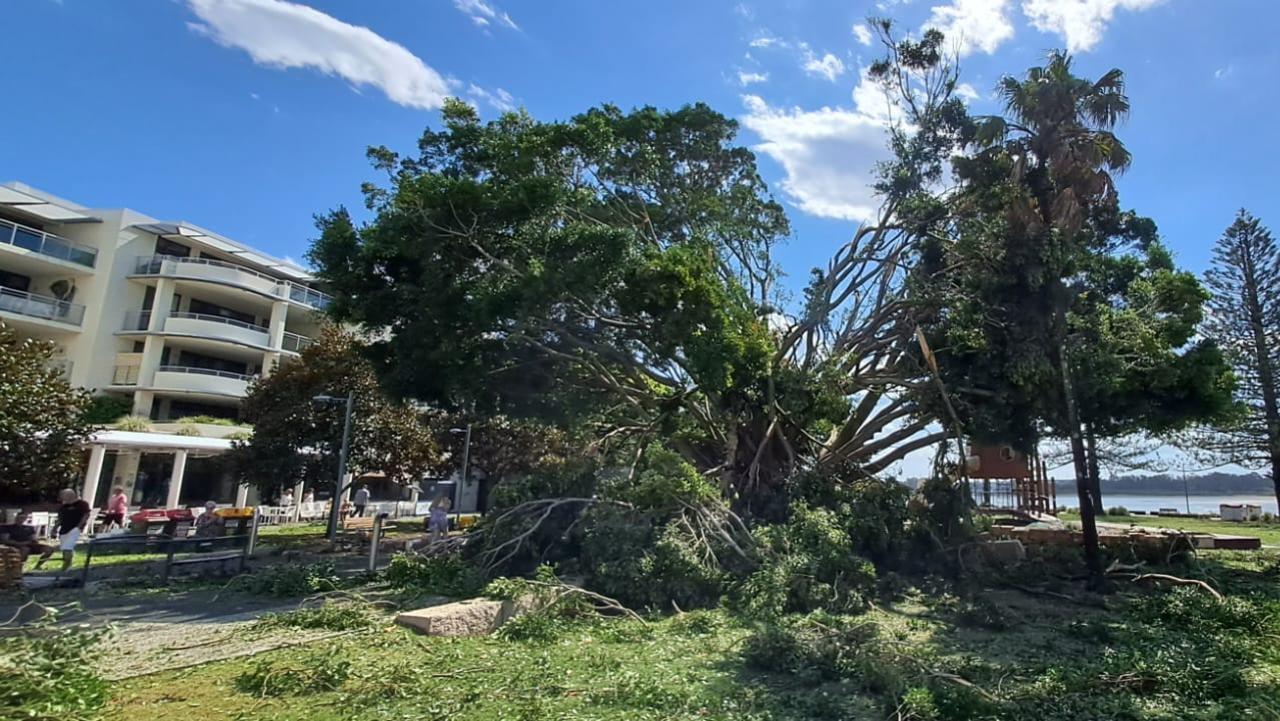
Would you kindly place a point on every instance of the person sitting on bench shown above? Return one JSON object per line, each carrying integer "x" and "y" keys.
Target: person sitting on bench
{"x": 209, "y": 524}
{"x": 21, "y": 536}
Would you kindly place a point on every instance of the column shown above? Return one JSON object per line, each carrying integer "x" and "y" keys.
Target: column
{"x": 96, "y": 455}
{"x": 275, "y": 336}
{"x": 153, "y": 347}
{"x": 175, "y": 483}
{"x": 297, "y": 500}
{"x": 242, "y": 495}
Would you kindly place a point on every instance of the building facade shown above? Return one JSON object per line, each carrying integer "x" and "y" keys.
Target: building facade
{"x": 175, "y": 319}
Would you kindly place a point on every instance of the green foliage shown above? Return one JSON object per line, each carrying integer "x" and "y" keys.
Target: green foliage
{"x": 47, "y": 674}
{"x": 448, "y": 575}
{"x": 207, "y": 420}
{"x": 385, "y": 436}
{"x": 941, "y": 515}
{"x": 104, "y": 409}
{"x": 665, "y": 486}
{"x": 810, "y": 563}
{"x": 1117, "y": 511}
{"x": 42, "y": 419}
{"x": 872, "y": 511}
{"x": 187, "y": 429}
{"x": 327, "y": 617}
{"x": 314, "y": 672}
{"x": 291, "y": 580}
{"x": 137, "y": 424}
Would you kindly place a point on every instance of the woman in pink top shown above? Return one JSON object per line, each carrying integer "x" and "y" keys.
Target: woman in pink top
{"x": 117, "y": 507}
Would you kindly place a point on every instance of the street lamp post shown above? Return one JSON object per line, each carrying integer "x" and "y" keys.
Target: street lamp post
{"x": 466, "y": 465}
{"x": 342, "y": 458}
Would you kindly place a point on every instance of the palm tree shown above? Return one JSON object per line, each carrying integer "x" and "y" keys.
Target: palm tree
{"x": 1058, "y": 134}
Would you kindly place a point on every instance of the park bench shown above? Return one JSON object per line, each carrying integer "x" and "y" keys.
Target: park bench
{"x": 359, "y": 526}
{"x": 176, "y": 551}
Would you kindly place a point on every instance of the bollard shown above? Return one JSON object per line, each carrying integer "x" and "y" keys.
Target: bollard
{"x": 253, "y": 533}
{"x": 373, "y": 541}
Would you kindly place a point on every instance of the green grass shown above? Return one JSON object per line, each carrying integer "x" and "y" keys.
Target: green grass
{"x": 1138, "y": 654}
{"x": 1268, "y": 532}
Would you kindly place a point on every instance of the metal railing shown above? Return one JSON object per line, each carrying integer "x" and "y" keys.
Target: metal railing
{"x": 40, "y": 306}
{"x": 154, "y": 265}
{"x": 204, "y": 371}
{"x": 295, "y": 343}
{"x": 125, "y": 375}
{"x": 38, "y": 241}
{"x": 220, "y": 319}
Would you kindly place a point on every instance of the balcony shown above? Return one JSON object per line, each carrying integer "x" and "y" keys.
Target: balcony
{"x": 46, "y": 244}
{"x": 203, "y": 325}
{"x": 294, "y": 343}
{"x": 223, "y": 273}
{"x": 43, "y": 307}
{"x": 202, "y": 381}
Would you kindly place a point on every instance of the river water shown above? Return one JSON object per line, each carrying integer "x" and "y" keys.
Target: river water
{"x": 1154, "y": 502}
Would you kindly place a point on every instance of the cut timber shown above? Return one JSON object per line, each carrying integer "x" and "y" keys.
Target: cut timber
{"x": 474, "y": 617}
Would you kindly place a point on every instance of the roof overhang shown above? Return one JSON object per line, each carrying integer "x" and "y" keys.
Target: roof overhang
{"x": 213, "y": 241}
{"x": 15, "y": 196}
{"x": 160, "y": 442}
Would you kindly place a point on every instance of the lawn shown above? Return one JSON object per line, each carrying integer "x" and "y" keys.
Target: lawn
{"x": 1268, "y": 532}
{"x": 994, "y": 654}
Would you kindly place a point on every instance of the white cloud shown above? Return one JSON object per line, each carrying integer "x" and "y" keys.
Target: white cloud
{"x": 745, "y": 79}
{"x": 767, "y": 41}
{"x": 828, "y": 66}
{"x": 283, "y": 34}
{"x": 1221, "y": 73}
{"x": 828, "y": 155}
{"x": 483, "y": 13}
{"x": 862, "y": 33}
{"x": 966, "y": 92}
{"x": 972, "y": 25}
{"x": 499, "y": 99}
{"x": 1080, "y": 22}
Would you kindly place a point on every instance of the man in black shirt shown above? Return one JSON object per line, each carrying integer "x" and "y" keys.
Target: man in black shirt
{"x": 73, "y": 515}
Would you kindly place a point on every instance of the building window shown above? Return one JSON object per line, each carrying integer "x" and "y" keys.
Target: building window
{"x": 164, "y": 246}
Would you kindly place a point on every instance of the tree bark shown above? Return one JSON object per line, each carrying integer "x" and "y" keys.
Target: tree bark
{"x": 1095, "y": 479}
{"x": 1088, "y": 522}
{"x": 1262, "y": 353}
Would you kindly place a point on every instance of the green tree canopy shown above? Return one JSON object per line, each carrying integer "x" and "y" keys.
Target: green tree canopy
{"x": 42, "y": 420}
{"x": 295, "y": 439}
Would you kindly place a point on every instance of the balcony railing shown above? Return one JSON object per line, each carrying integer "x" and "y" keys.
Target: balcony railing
{"x": 137, "y": 320}
{"x": 38, "y": 241}
{"x": 295, "y": 343}
{"x": 40, "y": 306}
{"x": 204, "y": 372}
{"x": 154, "y": 265}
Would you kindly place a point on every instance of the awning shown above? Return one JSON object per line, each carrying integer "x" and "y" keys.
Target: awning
{"x": 217, "y": 242}
{"x": 135, "y": 440}
{"x": 16, "y": 196}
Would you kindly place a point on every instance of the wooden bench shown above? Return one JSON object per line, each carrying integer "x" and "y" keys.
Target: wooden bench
{"x": 176, "y": 551}
{"x": 359, "y": 526}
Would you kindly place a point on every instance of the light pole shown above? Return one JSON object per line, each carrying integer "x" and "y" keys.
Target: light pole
{"x": 342, "y": 456}
{"x": 466, "y": 463}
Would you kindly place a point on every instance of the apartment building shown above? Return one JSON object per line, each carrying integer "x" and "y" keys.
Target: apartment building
{"x": 173, "y": 317}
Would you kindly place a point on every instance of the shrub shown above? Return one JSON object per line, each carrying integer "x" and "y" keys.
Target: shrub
{"x": 312, "y": 673}
{"x": 133, "y": 423}
{"x": 104, "y": 409}
{"x": 872, "y": 511}
{"x": 207, "y": 420}
{"x": 939, "y": 515}
{"x": 1117, "y": 511}
{"x": 440, "y": 575}
{"x": 188, "y": 429}
{"x": 46, "y": 674}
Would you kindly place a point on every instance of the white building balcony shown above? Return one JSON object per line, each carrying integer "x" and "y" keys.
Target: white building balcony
{"x": 45, "y": 311}
{"x": 203, "y": 326}
{"x": 201, "y": 381}
{"x": 229, "y": 274}
{"x": 21, "y": 239}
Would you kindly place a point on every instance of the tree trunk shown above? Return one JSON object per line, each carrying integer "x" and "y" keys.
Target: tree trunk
{"x": 1095, "y": 479}
{"x": 1087, "y": 520}
{"x": 1262, "y": 353}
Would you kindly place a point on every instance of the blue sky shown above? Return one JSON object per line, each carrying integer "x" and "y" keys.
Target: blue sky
{"x": 250, "y": 116}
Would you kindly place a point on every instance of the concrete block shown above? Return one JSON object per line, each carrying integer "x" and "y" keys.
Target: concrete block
{"x": 1006, "y": 553}
{"x": 473, "y": 617}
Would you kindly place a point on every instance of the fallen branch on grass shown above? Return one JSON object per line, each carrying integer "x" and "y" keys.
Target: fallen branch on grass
{"x": 542, "y": 508}
{"x": 600, "y": 603}
{"x": 1135, "y": 575}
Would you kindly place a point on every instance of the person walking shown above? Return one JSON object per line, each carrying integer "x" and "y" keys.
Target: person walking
{"x": 117, "y": 508}
{"x": 360, "y": 500}
{"x": 73, "y": 516}
{"x": 438, "y": 520}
